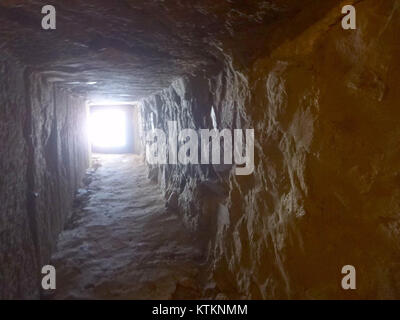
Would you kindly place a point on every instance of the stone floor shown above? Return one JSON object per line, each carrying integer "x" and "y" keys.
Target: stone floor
{"x": 121, "y": 243}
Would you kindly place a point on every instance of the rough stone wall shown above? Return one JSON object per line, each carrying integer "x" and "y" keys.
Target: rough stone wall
{"x": 44, "y": 155}
{"x": 325, "y": 192}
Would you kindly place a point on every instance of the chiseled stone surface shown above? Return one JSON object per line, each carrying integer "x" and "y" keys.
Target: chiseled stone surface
{"x": 17, "y": 255}
{"x": 44, "y": 156}
{"x": 325, "y": 191}
{"x": 135, "y": 48}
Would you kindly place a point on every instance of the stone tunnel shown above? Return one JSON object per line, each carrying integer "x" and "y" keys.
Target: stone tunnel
{"x": 320, "y": 104}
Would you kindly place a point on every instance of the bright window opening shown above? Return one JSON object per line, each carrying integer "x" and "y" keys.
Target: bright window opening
{"x": 107, "y": 128}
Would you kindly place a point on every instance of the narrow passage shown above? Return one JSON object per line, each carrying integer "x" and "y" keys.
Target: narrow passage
{"x": 121, "y": 243}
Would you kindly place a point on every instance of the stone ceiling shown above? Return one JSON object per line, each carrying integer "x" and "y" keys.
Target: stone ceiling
{"x": 133, "y": 48}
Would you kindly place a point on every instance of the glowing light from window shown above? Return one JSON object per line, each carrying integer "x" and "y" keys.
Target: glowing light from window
{"x": 107, "y": 128}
